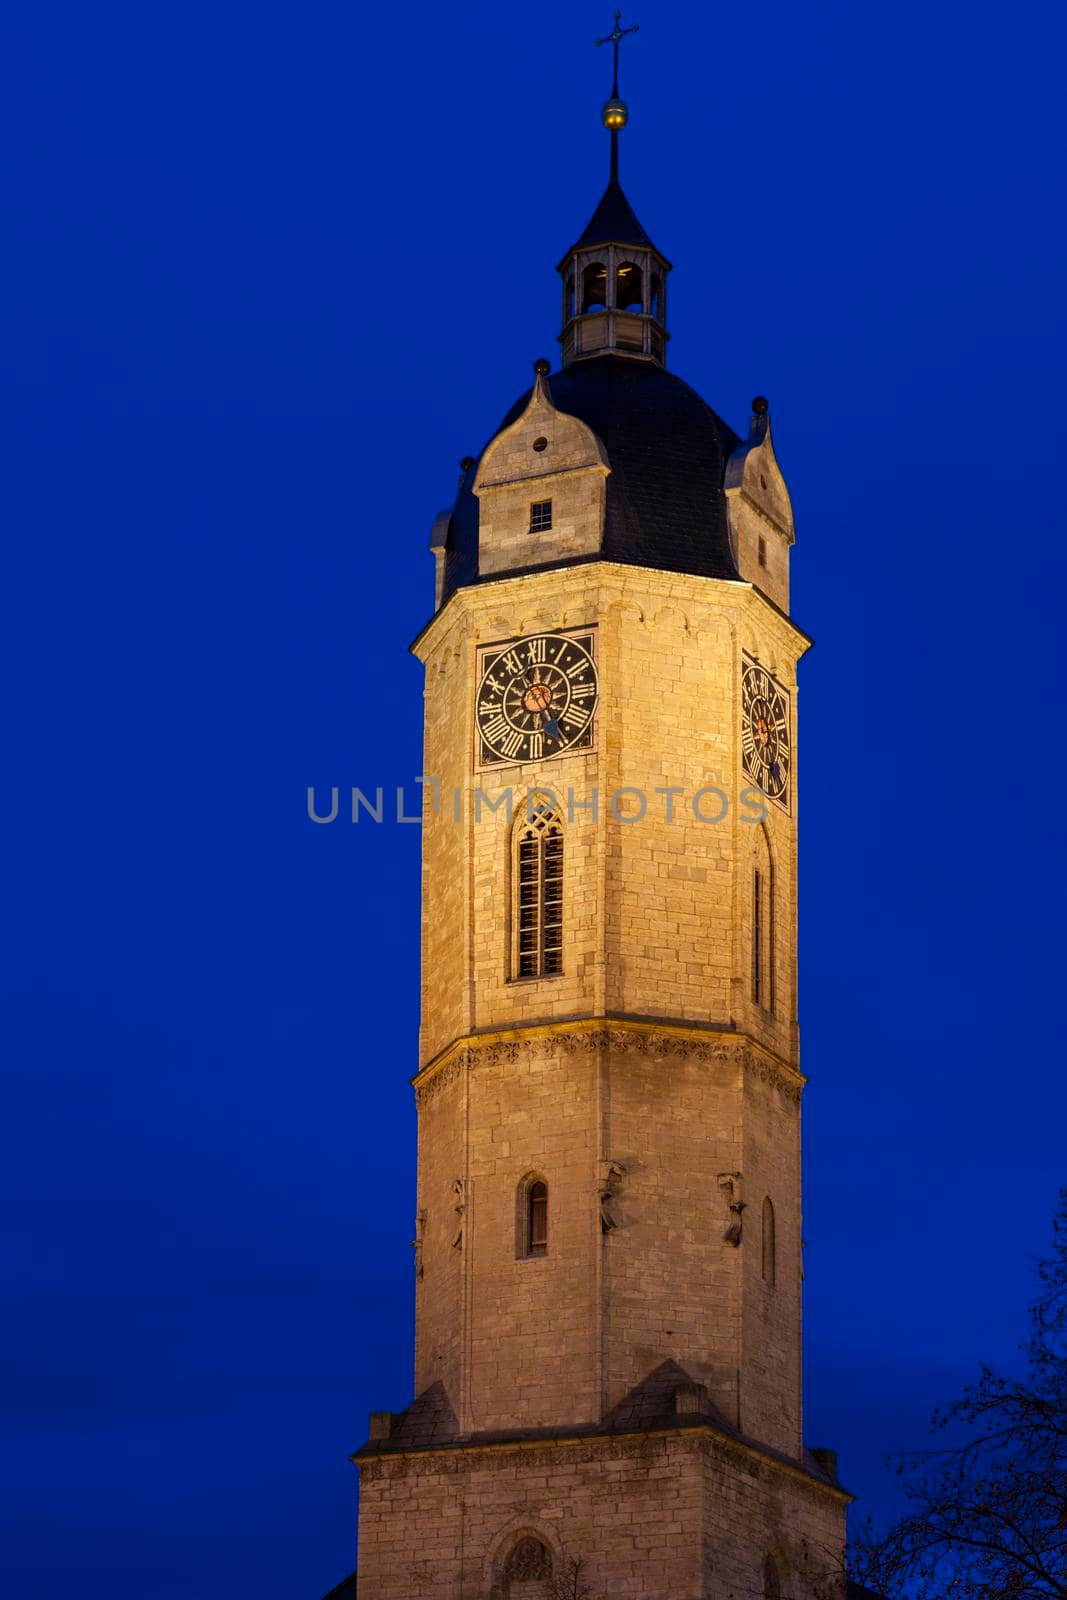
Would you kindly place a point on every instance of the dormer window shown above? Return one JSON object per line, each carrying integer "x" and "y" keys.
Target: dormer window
{"x": 595, "y": 287}
{"x": 540, "y": 516}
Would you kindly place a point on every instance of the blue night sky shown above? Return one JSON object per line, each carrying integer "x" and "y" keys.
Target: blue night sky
{"x": 269, "y": 273}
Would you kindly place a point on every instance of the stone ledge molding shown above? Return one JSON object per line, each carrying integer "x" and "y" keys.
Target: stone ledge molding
{"x": 646, "y": 1040}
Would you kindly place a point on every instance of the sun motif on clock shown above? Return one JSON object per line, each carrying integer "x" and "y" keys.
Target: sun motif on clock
{"x": 765, "y": 742}
{"x": 536, "y": 697}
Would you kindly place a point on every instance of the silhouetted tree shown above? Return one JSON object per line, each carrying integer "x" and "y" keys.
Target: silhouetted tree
{"x": 986, "y": 1519}
{"x": 569, "y": 1584}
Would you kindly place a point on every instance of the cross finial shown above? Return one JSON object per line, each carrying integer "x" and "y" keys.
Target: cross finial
{"x": 615, "y": 113}
{"x": 613, "y": 39}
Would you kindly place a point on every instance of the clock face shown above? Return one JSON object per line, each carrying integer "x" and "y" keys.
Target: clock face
{"x": 536, "y": 698}
{"x": 765, "y": 731}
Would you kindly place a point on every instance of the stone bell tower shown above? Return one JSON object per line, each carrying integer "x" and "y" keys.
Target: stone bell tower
{"x": 608, "y": 1254}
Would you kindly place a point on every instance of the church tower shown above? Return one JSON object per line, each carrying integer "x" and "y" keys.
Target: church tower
{"x": 608, "y": 1238}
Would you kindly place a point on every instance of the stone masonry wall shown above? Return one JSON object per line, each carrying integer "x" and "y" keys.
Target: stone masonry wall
{"x": 531, "y": 1347}
{"x": 440, "y": 1287}
{"x": 770, "y": 1408}
{"x": 672, "y": 1283}
{"x": 654, "y": 1133}
{"x": 680, "y": 1516}
{"x": 658, "y": 915}
{"x": 658, "y": 924}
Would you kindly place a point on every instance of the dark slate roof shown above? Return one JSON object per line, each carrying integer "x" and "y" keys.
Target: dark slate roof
{"x": 345, "y": 1590}
{"x": 429, "y": 1422}
{"x": 613, "y": 222}
{"x": 667, "y": 451}
{"x": 651, "y": 1403}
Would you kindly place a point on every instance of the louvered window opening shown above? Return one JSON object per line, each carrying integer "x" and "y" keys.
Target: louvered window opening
{"x": 537, "y": 1220}
{"x": 540, "y": 868}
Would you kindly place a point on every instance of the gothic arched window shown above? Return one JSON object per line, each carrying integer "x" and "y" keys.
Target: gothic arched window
{"x": 529, "y": 1562}
{"x": 629, "y": 287}
{"x": 768, "y": 1261}
{"x": 772, "y": 1580}
{"x": 527, "y": 1571}
{"x": 537, "y": 912}
{"x": 533, "y": 1216}
{"x": 595, "y": 287}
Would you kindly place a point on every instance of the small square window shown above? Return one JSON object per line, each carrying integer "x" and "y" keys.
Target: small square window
{"x": 540, "y": 516}
{"x": 762, "y": 551}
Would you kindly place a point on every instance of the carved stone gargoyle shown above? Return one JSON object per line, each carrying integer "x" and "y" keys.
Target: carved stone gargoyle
{"x": 459, "y": 1189}
{"x": 730, "y": 1188}
{"x": 416, "y": 1243}
{"x": 611, "y": 1175}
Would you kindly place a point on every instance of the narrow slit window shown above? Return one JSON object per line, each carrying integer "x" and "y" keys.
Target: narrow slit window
{"x": 538, "y": 909}
{"x": 771, "y": 996}
{"x": 761, "y": 551}
{"x": 768, "y": 1242}
{"x": 757, "y": 936}
{"x": 540, "y": 516}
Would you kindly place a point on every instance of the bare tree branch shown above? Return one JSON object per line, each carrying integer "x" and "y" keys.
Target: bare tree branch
{"x": 986, "y": 1518}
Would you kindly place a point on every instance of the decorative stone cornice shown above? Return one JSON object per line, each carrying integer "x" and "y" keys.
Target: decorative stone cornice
{"x": 653, "y": 1041}
{"x": 438, "y": 1076}
{"x": 702, "y": 602}
{"x": 588, "y": 1446}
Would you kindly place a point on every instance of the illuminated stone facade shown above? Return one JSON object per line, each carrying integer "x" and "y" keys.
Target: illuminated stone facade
{"x": 617, "y": 1409}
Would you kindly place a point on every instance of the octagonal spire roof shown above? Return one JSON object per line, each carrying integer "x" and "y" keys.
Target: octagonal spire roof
{"x": 613, "y": 221}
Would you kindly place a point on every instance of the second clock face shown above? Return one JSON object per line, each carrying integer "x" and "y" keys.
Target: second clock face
{"x": 536, "y": 698}
{"x": 765, "y": 731}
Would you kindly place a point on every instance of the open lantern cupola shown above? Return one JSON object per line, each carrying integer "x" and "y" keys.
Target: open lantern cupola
{"x": 614, "y": 287}
{"x": 614, "y": 278}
